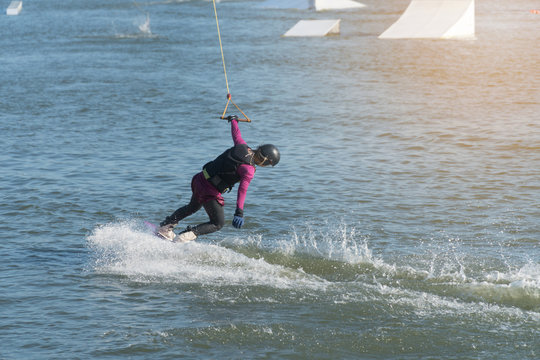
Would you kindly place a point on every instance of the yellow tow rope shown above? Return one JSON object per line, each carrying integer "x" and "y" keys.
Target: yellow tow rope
{"x": 229, "y": 100}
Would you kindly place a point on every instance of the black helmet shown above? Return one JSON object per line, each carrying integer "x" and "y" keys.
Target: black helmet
{"x": 269, "y": 153}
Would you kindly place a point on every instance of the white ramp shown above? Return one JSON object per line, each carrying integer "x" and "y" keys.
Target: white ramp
{"x": 434, "y": 19}
{"x": 14, "y": 8}
{"x": 317, "y": 5}
{"x": 321, "y": 5}
{"x": 314, "y": 28}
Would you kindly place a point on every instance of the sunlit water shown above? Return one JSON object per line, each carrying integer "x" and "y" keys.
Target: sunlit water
{"x": 402, "y": 221}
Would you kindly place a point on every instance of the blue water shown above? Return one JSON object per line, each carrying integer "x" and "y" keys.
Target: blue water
{"x": 401, "y": 223}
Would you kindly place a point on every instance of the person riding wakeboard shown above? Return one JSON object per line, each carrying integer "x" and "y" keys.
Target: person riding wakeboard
{"x": 235, "y": 165}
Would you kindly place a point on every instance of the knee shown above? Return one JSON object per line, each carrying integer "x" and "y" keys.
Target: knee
{"x": 219, "y": 224}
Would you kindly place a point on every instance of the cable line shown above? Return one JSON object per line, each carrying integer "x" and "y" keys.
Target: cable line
{"x": 229, "y": 99}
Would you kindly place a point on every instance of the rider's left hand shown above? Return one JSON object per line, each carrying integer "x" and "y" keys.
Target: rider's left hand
{"x": 238, "y": 221}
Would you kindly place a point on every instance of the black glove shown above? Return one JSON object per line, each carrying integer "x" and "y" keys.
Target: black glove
{"x": 231, "y": 118}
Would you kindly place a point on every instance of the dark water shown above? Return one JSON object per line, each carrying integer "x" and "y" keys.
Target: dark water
{"x": 402, "y": 222}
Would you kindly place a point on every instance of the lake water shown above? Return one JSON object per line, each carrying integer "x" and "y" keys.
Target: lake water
{"x": 403, "y": 221}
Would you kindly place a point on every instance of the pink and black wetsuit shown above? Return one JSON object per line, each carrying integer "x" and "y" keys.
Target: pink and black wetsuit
{"x": 235, "y": 165}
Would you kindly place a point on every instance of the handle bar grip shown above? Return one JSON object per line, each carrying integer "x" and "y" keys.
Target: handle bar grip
{"x": 240, "y": 120}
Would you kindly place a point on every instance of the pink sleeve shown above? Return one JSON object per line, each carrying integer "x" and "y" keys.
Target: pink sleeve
{"x": 246, "y": 173}
{"x": 236, "y": 135}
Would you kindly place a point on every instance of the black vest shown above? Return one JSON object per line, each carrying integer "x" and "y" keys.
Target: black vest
{"x": 221, "y": 172}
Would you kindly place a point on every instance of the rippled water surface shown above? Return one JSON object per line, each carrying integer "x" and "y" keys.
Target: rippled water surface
{"x": 401, "y": 223}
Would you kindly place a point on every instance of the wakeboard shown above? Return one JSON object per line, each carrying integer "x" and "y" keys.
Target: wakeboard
{"x": 154, "y": 229}
{"x": 178, "y": 238}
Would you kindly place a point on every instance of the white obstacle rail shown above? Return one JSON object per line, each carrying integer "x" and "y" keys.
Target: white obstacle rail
{"x": 14, "y": 8}
{"x": 434, "y": 19}
{"x": 314, "y": 28}
{"x": 317, "y": 5}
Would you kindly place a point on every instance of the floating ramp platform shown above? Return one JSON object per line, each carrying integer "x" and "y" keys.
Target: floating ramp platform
{"x": 314, "y": 28}
{"x": 14, "y": 8}
{"x": 434, "y": 19}
{"x": 317, "y": 5}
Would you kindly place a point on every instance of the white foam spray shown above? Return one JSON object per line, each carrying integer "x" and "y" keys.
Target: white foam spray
{"x": 126, "y": 248}
{"x": 145, "y": 27}
{"x": 337, "y": 261}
